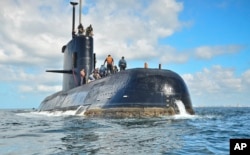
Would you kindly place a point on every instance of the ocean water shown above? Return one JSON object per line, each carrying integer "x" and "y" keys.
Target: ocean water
{"x": 28, "y": 132}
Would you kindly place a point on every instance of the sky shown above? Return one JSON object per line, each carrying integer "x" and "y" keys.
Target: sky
{"x": 206, "y": 42}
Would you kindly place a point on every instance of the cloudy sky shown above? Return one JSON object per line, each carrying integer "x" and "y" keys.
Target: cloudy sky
{"x": 207, "y": 42}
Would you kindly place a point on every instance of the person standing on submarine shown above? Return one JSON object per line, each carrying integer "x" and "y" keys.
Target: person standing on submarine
{"x": 83, "y": 77}
{"x": 122, "y": 64}
{"x": 110, "y": 63}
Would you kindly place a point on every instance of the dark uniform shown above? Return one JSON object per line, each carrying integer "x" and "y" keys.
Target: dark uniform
{"x": 122, "y": 64}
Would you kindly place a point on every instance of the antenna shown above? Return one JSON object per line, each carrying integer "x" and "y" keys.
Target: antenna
{"x": 80, "y": 11}
{"x": 80, "y": 27}
{"x": 73, "y": 19}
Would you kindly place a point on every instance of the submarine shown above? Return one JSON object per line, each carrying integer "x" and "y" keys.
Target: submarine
{"x": 135, "y": 92}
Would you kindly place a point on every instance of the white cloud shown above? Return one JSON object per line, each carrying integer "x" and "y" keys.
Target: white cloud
{"x": 214, "y": 80}
{"x": 208, "y": 52}
{"x": 34, "y": 34}
{"x": 132, "y": 28}
{"x": 39, "y": 89}
{"x": 169, "y": 54}
{"x": 25, "y": 88}
{"x": 218, "y": 85}
{"x": 29, "y": 35}
{"x": 31, "y": 82}
{"x": 246, "y": 78}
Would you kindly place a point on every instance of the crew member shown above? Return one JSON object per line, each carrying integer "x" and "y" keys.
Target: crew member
{"x": 110, "y": 63}
{"x": 96, "y": 74}
{"x": 115, "y": 69}
{"x": 122, "y": 64}
{"x": 83, "y": 79}
{"x": 80, "y": 29}
{"x": 102, "y": 71}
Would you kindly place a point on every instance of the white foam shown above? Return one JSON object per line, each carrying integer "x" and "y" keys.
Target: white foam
{"x": 183, "y": 113}
{"x": 181, "y": 107}
{"x": 80, "y": 111}
{"x": 55, "y": 113}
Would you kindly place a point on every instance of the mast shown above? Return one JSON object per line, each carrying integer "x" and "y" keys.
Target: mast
{"x": 80, "y": 26}
{"x": 73, "y": 19}
{"x": 80, "y": 11}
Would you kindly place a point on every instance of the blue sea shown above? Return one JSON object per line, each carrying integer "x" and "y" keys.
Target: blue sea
{"x": 27, "y": 132}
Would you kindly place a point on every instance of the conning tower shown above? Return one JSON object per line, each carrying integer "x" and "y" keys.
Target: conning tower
{"x": 78, "y": 54}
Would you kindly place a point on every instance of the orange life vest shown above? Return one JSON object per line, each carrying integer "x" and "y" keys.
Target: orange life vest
{"x": 109, "y": 60}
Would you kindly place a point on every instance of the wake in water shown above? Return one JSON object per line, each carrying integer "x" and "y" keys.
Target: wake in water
{"x": 78, "y": 112}
{"x": 51, "y": 113}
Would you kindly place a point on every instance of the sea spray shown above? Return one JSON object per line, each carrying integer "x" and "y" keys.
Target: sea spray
{"x": 55, "y": 113}
{"x": 80, "y": 110}
{"x": 183, "y": 113}
{"x": 181, "y": 107}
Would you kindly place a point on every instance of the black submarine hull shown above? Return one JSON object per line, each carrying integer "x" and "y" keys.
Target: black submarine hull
{"x": 130, "y": 93}
{"x": 134, "y": 92}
